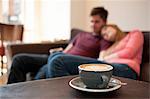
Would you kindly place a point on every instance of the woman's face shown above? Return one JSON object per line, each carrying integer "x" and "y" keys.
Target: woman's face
{"x": 109, "y": 33}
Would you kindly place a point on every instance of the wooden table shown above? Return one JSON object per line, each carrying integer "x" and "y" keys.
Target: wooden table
{"x": 58, "y": 88}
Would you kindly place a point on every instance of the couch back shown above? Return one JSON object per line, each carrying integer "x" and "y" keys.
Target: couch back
{"x": 145, "y": 66}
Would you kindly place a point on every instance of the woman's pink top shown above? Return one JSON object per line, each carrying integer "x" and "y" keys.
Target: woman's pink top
{"x": 129, "y": 50}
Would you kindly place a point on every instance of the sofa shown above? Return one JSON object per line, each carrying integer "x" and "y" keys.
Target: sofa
{"x": 43, "y": 48}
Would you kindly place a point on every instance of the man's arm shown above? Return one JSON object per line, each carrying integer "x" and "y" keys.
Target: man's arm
{"x": 68, "y": 47}
{"x": 61, "y": 49}
{"x": 72, "y": 43}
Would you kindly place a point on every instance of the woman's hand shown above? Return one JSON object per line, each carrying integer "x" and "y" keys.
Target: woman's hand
{"x": 100, "y": 59}
{"x": 101, "y": 55}
{"x": 109, "y": 57}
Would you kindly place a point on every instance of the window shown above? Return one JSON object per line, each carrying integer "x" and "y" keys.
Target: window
{"x": 46, "y": 20}
{"x": 55, "y": 19}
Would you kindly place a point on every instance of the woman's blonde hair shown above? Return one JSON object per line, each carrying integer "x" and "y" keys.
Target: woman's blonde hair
{"x": 119, "y": 34}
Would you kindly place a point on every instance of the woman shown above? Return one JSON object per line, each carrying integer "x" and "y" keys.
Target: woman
{"x": 124, "y": 55}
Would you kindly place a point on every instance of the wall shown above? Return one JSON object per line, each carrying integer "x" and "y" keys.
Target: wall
{"x": 128, "y": 14}
{"x": 80, "y": 11}
{"x": 1, "y": 11}
{"x": 46, "y": 20}
{"x": 149, "y": 15}
{"x": 78, "y": 8}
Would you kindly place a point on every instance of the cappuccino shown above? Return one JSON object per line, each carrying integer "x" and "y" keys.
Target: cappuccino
{"x": 96, "y": 67}
{"x": 95, "y": 75}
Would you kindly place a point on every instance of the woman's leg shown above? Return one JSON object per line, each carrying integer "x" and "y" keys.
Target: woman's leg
{"x": 64, "y": 64}
{"x": 24, "y": 63}
{"x": 123, "y": 70}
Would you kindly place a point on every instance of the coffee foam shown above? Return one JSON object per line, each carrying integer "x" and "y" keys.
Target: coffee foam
{"x": 96, "y": 67}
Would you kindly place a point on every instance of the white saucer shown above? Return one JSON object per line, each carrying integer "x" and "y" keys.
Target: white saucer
{"x": 76, "y": 83}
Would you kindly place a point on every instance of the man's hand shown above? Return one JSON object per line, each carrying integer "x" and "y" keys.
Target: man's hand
{"x": 56, "y": 50}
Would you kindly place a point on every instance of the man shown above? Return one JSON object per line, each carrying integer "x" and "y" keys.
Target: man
{"x": 84, "y": 44}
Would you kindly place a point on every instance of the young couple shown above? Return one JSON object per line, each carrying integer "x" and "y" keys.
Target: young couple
{"x": 106, "y": 44}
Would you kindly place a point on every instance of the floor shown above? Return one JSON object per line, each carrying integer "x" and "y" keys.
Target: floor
{"x": 4, "y": 76}
{"x": 3, "y": 79}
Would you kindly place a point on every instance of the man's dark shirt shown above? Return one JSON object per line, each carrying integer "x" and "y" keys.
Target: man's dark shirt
{"x": 89, "y": 45}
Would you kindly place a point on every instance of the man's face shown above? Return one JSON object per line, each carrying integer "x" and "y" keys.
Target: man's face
{"x": 96, "y": 23}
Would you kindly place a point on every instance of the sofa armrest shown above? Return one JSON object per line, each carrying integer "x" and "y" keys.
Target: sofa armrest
{"x": 34, "y": 48}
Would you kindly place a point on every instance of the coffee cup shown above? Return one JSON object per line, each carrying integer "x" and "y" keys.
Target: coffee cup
{"x": 95, "y": 75}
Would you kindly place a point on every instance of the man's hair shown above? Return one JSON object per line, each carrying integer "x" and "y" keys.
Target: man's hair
{"x": 101, "y": 11}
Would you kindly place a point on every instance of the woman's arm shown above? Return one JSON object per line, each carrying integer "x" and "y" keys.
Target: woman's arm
{"x": 133, "y": 45}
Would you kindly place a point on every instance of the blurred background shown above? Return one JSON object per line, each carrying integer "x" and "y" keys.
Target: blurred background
{"x": 50, "y": 20}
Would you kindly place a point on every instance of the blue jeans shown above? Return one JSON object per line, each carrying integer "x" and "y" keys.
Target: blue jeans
{"x": 62, "y": 64}
{"x": 42, "y": 73}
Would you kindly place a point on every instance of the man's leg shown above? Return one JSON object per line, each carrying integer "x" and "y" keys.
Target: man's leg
{"x": 41, "y": 74}
{"x": 24, "y": 63}
{"x": 64, "y": 64}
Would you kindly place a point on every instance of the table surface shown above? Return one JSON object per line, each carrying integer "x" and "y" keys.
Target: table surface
{"x": 58, "y": 88}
